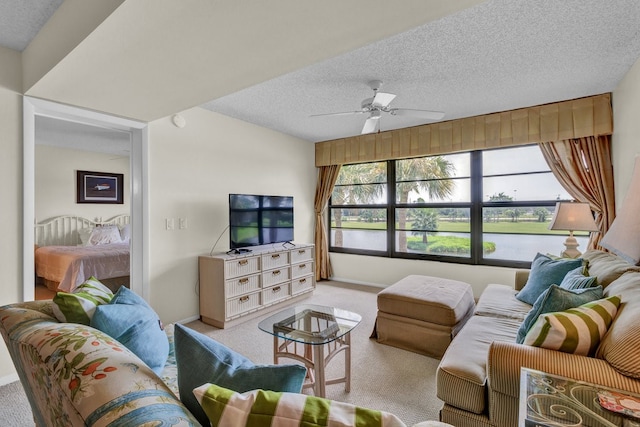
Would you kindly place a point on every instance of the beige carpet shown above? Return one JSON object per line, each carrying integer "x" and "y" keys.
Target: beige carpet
{"x": 382, "y": 377}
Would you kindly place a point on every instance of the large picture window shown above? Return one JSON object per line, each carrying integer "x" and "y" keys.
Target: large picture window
{"x": 482, "y": 207}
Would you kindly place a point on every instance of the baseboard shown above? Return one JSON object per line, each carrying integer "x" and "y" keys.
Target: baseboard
{"x": 376, "y": 286}
{"x": 188, "y": 319}
{"x": 8, "y": 379}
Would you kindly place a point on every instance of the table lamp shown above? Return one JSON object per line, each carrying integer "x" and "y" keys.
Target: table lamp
{"x": 572, "y": 216}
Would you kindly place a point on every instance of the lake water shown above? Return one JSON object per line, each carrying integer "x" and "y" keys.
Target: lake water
{"x": 515, "y": 247}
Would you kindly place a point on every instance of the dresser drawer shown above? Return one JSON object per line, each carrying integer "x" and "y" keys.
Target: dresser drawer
{"x": 242, "y": 304}
{"x": 275, "y": 276}
{"x": 275, "y": 293}
{"x": 301, "y": 254}
{"x": 275, "y": 260}
{"x": 242, "y": 285}
{"x": 241, "y": 267}
{"x": 302, "y": 269}
{"x": 301, "y": 284}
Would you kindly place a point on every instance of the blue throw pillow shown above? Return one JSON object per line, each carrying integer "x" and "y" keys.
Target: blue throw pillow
{"x": 555, "y": 299}
{"x": 545, "y": 271}
{"x": 201, "y": 360}
{"x": 131, "y": 321}
{"x": 576, "y": 279}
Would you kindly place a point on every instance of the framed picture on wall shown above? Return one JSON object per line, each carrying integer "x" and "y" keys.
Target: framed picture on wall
{"x": 99, "y": 187}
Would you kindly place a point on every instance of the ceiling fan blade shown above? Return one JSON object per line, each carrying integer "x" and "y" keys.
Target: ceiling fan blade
{"x": 371, "y": 125}
{"x": 382, "y": 99}
{"x": 426, "y": 114}
{"x": 345, "y": 113}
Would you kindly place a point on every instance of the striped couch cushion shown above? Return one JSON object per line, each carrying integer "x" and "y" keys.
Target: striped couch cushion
{"x": 577, "y": 330}
{"x": 225, "y": 407}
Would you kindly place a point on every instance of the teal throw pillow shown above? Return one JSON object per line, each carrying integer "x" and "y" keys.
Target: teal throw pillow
{"x": 201, "y": 359}
{"x": 576, "y": 279}
{"x": 556, "y": 298}
{"x": 132, "y": 322}
{"x": 545, "y": 271}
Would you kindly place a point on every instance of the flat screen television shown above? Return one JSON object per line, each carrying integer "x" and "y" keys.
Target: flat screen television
{"x": 259, "y": 220}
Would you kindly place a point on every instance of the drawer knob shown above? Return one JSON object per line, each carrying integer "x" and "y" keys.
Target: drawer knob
{"x": 302, "y": 281}
{"x": 301, "y": 266}
{"x": 302, "y": 251}
{"x": 243, "y": 281}
{"x": 275, "y": 256}
{"x": 243, "y": 262}
{"x": 275, "y": 273}
{"x": 276, "y": 289}
{"x": 244, "y": 299}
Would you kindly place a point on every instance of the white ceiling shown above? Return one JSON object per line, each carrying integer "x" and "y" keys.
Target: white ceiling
{"x": 275, "y": 65}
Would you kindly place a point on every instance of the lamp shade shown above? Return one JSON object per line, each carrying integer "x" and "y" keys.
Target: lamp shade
{"x": 573, "y": 216}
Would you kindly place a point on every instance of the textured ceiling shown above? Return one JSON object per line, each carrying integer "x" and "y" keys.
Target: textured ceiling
{"x": 493, "y": 56}
{"x": 497, "y": 56}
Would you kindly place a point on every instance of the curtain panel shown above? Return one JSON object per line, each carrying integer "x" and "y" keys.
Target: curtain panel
{"x": 327, "y": 177}
{"x": 584, "y": 168}
{"x": 578, "y": 118}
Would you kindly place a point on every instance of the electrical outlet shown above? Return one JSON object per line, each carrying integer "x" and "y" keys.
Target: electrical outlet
{"x": 170, "y": 223}
{"x": 182, "y": 223}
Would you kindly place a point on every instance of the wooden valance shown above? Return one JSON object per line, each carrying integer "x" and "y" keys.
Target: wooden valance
{"x": 590, "y": 116}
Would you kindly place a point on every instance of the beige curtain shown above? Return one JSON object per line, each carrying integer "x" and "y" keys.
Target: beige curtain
{"x": 327, "y": 176}
{"x": 584, "y": 168}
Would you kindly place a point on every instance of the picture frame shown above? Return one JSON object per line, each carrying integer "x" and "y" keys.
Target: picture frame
{"x": 99, "y": 187}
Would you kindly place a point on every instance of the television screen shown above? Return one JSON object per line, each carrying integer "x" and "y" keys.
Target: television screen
{"x": 259, "y": 220}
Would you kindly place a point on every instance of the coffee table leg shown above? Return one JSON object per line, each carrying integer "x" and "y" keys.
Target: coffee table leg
{"x": 318, "y": 364}
{"x": 347, "y": 363}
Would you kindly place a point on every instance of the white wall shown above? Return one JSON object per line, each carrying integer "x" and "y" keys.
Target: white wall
{"x": 626, "y": 135}
{"x": 11, "y": 191}
{"x": 55, "y": 182}
{"x": 191, "y": 173}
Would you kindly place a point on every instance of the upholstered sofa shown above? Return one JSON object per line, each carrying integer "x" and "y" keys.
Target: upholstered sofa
{"x": 478, "y": 378}
{"x": 76, "y": 375}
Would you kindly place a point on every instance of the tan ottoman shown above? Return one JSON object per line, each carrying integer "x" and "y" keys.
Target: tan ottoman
{"x": 423, "y": 313}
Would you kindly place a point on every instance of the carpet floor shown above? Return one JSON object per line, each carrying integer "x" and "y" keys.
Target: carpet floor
{"x": 382, "y": 377}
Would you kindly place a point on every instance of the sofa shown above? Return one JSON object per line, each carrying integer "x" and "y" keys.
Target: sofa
{"x": 478, "y": 378}
{"x": 76, "y": 375}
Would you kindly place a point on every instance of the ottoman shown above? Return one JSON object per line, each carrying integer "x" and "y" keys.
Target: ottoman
{"x": 422, "y": 313}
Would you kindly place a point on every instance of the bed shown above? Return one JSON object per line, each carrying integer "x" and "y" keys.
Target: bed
{"x": 70, "y": 249}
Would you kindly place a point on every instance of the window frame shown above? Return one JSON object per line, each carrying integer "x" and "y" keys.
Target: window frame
{"x": 476, "y": 205}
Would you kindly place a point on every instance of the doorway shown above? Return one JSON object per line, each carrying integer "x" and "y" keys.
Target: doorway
{"x": 36, "y": 109}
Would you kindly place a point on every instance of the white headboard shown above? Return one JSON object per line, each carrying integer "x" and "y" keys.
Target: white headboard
{"x": 63, "y": 230}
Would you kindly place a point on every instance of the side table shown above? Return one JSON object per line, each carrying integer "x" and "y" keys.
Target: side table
{"x": 551, "y": 400}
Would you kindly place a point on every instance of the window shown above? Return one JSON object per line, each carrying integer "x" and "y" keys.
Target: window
{"x": 482, "y": 207}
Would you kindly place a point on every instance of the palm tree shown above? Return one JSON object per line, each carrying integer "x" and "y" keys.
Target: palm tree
{"x": 425, "y": 174}
{"x": 356, "y": 184}
{"x": 424, "y": 221}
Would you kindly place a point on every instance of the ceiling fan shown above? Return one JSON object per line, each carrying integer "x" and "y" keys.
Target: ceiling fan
{"x": 379, "y": 104}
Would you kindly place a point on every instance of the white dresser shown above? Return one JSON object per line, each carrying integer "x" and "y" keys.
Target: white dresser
{"x": 237, "y": 287}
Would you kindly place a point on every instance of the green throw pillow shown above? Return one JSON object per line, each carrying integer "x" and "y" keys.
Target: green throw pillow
{"x": 577, "y": 330}
{"x": 557, "y": 299}
{"x": 80, "y": 305}
{"x": 545, "y": 271}
{"x": 267, "y": 408}
{"x": 576, "y": 279}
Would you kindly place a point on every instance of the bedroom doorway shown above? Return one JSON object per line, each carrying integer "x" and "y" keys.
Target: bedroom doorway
{"x": 81, "y": 126}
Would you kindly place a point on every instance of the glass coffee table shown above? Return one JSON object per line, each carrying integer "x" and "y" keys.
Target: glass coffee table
{"x": 305, "y": 333}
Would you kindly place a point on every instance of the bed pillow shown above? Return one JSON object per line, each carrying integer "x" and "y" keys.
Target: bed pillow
{"x": 545, "y": 271}
{"x": 125, "y": 233}
{"x": 225, "y": 407}
{"x": 556, "y": 298}
{"x": 576, "y": 279}
{"x": 104, "y": 235}
{"x": 80, "y": 305}
{"x": 577, "y": 330}
{"x": 201, "y": 359}
{"x": 131, "y": 321}
{"x": 85, "y": 235}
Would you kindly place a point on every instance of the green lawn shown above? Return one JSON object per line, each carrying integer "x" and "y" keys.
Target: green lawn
{"x": 520, "y": 227}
